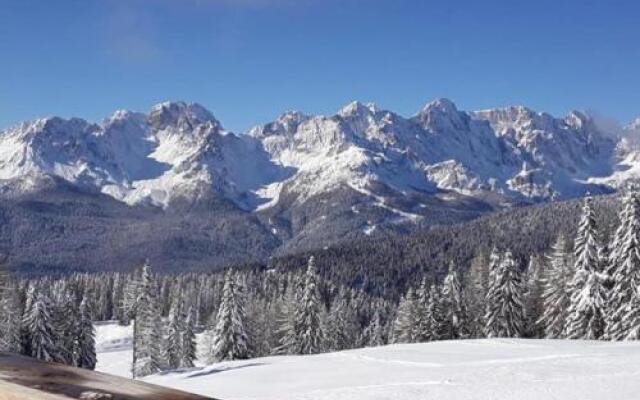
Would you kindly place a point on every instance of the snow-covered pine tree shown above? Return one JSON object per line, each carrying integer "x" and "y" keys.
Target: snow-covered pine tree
{"x": 260, "y": 327}
{"x": 421, "y": 329}
{"x": 85, "y": 356}
{"x": 229, "y": 339}
{"x": 434, "y": 314}
{"x": 173, "y": 347}
{"x": 341, "y": 330}
{"x": 534, "y": 301}
{"x": 619, "y": 237}
{"x": 289, "y": 331}
{"x": 556, "y": 296}
{"x": 130, "y": 296}
{"x": 625, "y": 270}
{"x": 476, "y": 282}
{"x": 188, "y": 355}
{"x": 42, "y": 334}
{"x": 588, "y": 308}
{"x": 66, "y": 317}
{"x": 147, "y": 339}
{"x": 10, "y": 314}
{"x": 374, "y": 332}
{"x": 505, "y": 304}
{"x": 495, "y": 258}
{"x": 25, "y": 333}
{"x": 403, "y": 327}
{"x": 307, "y": 316}
{"x": 585, "y": 314}
{"x": 5, "y": 278}
{"x": 454, "y": 312}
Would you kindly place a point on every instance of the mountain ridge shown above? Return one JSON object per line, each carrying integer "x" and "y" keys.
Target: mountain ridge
{"x": 175, "y": 150}
{"x": 298, "y": 183}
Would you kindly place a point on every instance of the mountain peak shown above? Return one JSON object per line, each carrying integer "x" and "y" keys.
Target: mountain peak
{"x": 181, "y": 114}
{"x": 442, "y": 105}
{"x": 356, "y": 108}
{"x": 577, "y": 119}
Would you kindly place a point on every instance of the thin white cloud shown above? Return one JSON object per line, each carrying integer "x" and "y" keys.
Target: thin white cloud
{"x": 129, "y": 35}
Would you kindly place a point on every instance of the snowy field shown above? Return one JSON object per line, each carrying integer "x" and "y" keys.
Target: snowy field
{"x": 513, "y": 369}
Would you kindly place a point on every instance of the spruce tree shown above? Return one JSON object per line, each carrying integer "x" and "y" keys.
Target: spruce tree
{"x": 586, "y": 314}
{"x": 625, "y": 270}
{"x": 229, "y": 340}
{"x": 42, "y": 334}
{"x": 588, "y": 308}
{"x": 454, "y": 317}
{"x": 188, "y": 355}
{"x": 434, "y": 314}
{"x": 173, "y": 348}
{"x": 307, "y": 317}
{"x": 374, "y": 332}
{"x": 556, "y": 297}
{"x": 85, "y": 356}
{"x": 620, "y": 236}
{"x": 421, "y": 328}
{"x": 288, "y": 331}
{"x": 505, "y": 304}
{"x": 403, "y": 328}
{"x": 65, "y": 319}
{"x": 340, "y": 329}
{"x": 147, "y": 328}
{"x": 534, "y": 300}
{"x": 10, "y": 317}
{"x": 476, "y": 282}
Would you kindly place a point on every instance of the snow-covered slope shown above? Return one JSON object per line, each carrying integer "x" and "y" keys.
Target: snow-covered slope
{"x": 178, "y": 150}
{"x": 466, "y": 369}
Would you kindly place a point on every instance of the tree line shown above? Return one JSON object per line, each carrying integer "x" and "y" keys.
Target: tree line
{"x": 583, "y": 287}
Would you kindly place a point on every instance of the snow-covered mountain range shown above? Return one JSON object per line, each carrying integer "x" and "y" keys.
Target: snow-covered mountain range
{"x": 179, "y": 150}
{"x": 304, "y": 181}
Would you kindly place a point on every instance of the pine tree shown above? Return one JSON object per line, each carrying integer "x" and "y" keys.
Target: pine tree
{"x": 476, "y": 283}
{"x": 42, "y": 332}
{"x": 188, "y": 355}
{"x": 374, "y": 332}
{"x": 25, "y": 333}
{"x": 288, "y": 330}
{"x": 534, "y": 300}
{"x": 65, "y": 319}
{"x": 556, "y": 297}
{"x": 174, "y": 343}
{"x": 621, "y": 233}
{"x": 307, "y": 316}
{"x": 434, "y": 314}
{"x": 420, "y": 322}
{"x": 341, "y": 329}
{"x": 10, "y": 315}
{"x": 588, "y": 307}
{"x": 585, "y": 314}
{"x": 505, "y": 306}
{"x": 454, "y": 318}
{"x": 85, "y": 356}
{"x": 147, "y": 328}
{"x": 229, "y": 340}
{"x": 403, "y": 328}
{"x": 625, "y": 270}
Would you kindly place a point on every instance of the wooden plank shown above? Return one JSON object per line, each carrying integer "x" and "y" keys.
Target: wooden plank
{"x": 23, "y": 378}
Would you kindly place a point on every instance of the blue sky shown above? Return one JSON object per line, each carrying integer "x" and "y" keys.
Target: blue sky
{"x": 250, "y": 60}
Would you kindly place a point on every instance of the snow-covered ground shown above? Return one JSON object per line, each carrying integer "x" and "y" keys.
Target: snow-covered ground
{"x": 469, "y": 369}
